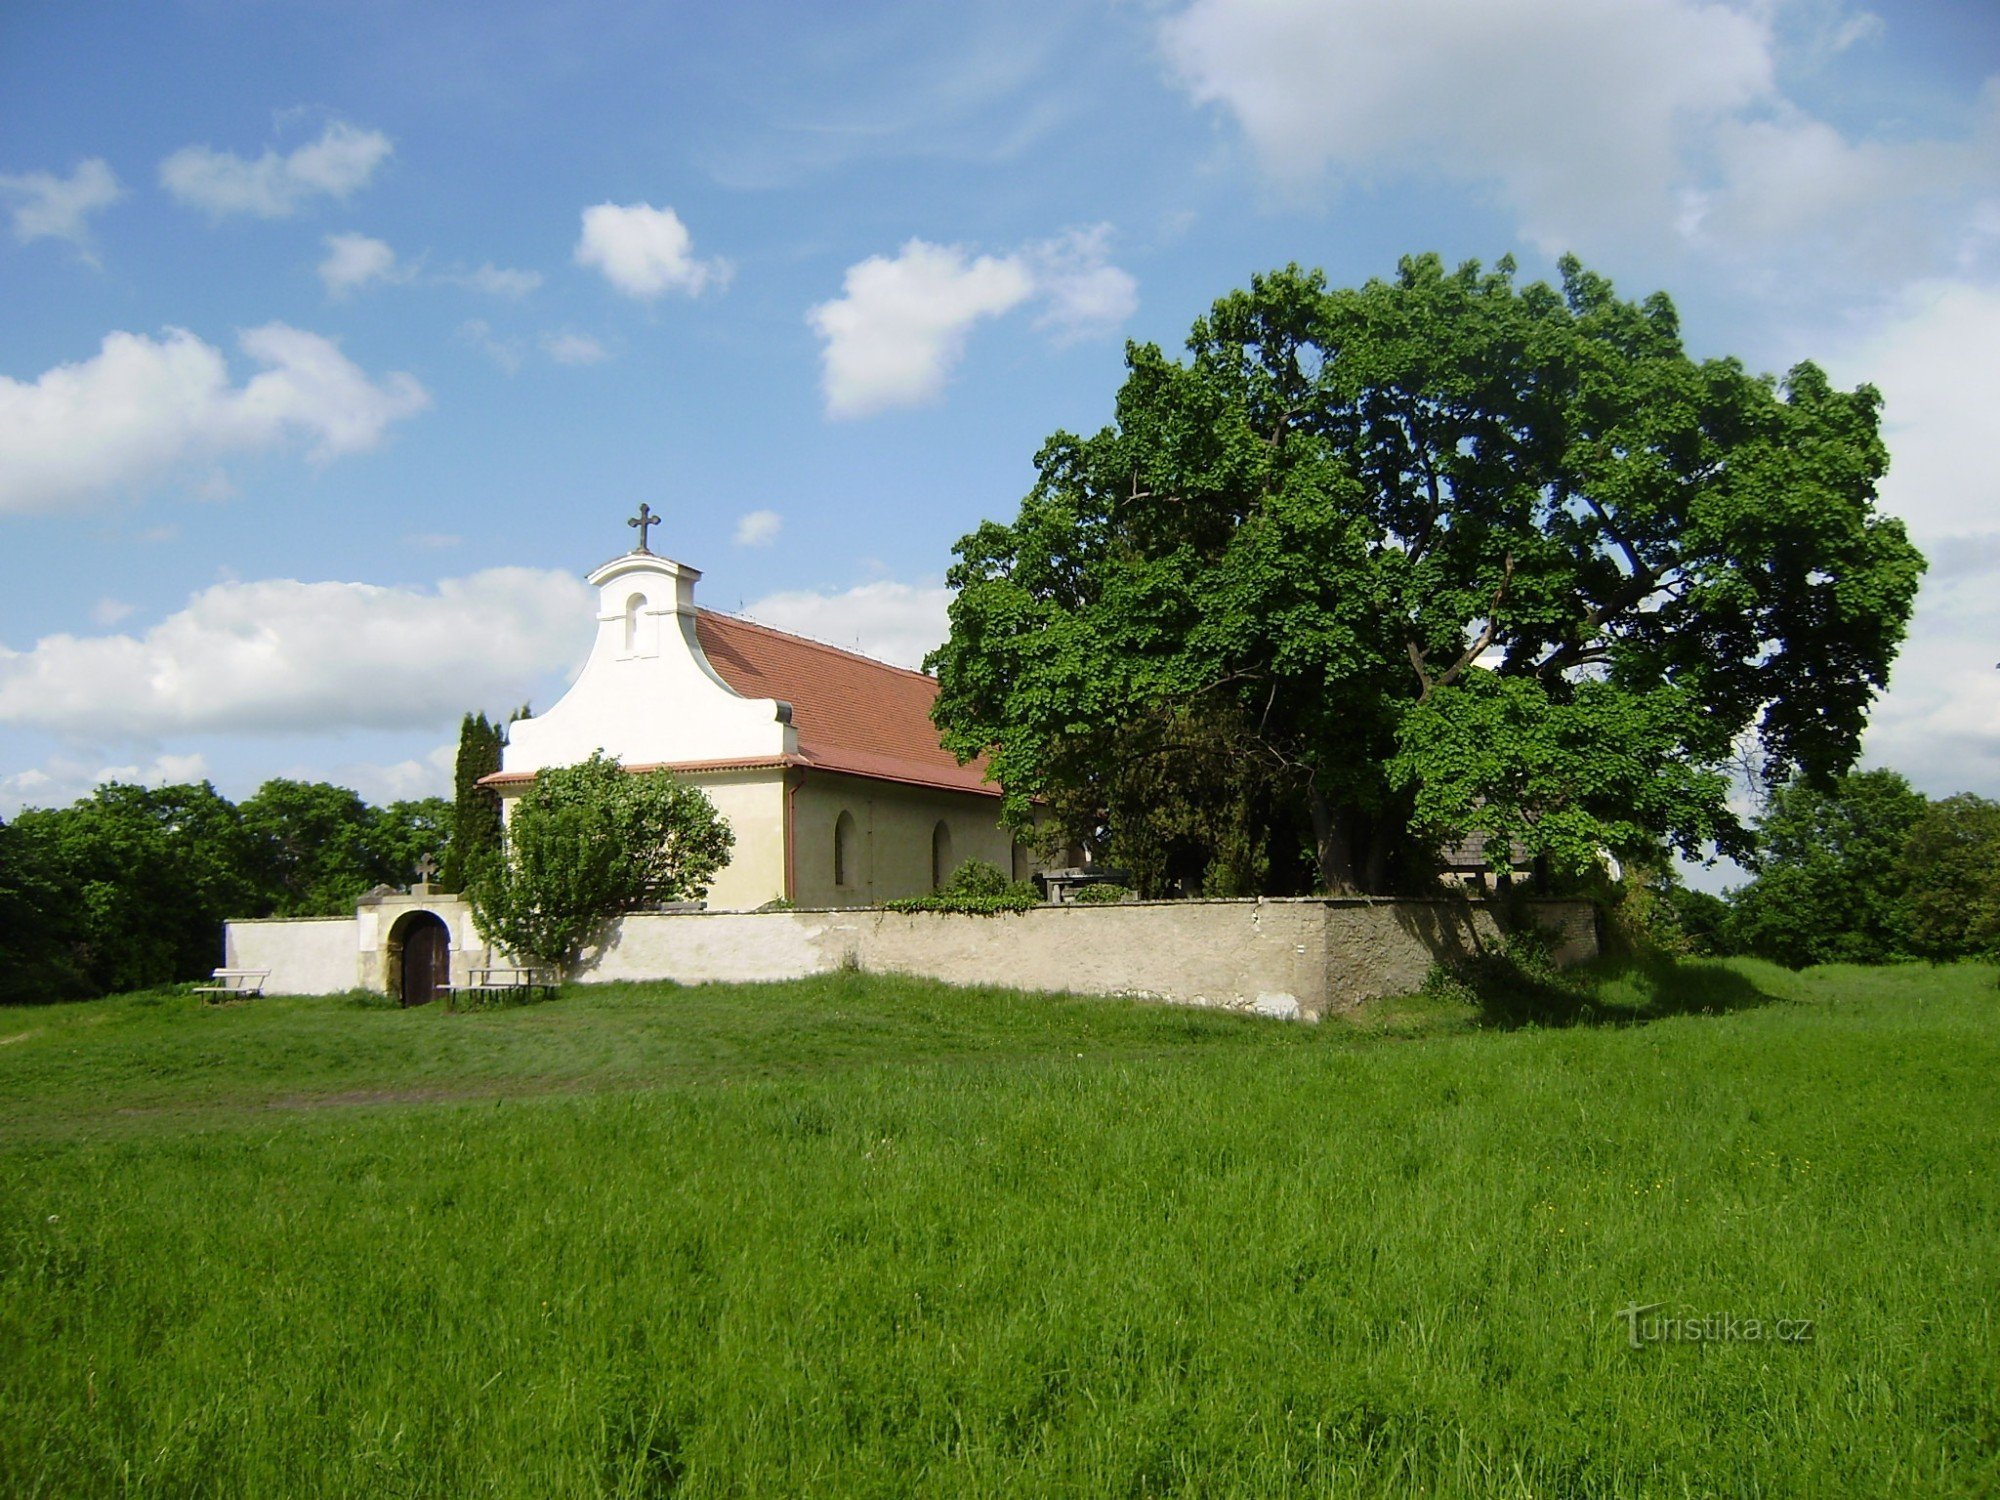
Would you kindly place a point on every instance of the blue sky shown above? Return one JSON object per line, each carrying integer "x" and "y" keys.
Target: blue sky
{"x": 340, "y": 340}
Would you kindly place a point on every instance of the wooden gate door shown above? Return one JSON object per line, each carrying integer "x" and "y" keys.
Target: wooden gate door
{"x": 426, "y": 960}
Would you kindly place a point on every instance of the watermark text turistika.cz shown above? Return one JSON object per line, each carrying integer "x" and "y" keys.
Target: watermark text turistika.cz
{"x": 1648, "y": 1323}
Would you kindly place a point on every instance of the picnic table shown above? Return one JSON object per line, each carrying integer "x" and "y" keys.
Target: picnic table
{"x": 241, "y": 984}
{"x": 491, "y": 979}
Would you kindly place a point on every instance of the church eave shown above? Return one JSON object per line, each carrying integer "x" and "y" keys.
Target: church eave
{"x": 503, "y": 780}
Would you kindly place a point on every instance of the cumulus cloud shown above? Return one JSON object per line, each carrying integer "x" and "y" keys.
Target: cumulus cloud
{"x": 504, "y": 352}
{"x": 574, "y": 349}
{"x": 143, "y": 407}
{"x": 497, "y": 281}
{"x": 397, "y": 781}
{"x": 899, "y": 328}
{"x": 1593, "y": 122}
{"x": 759, "y": 528}
{"x": 70, "y": 774}
{"x": 1933, "y": 361}
{"x": 645, "y": 251}
{"x": 354, "y": 260}
{"x": 1574, "y": 110}
{"x": 45, "y": 206}
{"x": 337, "y": 165}
{"x": 892, "y": 622}
{"x": 1083, "y": 294}
{"x": 278, "y": 656}
{"x": 1872, "y": 207}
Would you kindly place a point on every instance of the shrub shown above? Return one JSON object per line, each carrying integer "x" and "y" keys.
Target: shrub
{"x": 590, "y": 842}
{"x": 1109, "y": 893}
{"x": 976, "y": 889}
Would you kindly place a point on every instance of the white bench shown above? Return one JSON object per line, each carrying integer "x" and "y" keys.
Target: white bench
{"x": 243, "y": 984}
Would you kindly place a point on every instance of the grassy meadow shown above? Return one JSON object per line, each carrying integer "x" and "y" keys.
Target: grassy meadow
{"x": 861, "y": 1236}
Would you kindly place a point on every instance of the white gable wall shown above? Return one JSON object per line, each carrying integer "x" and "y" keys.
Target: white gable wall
{"x": 647, "y": 694}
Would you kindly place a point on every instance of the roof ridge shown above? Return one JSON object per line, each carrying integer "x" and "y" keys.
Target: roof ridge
{"x": 813, "y": 641}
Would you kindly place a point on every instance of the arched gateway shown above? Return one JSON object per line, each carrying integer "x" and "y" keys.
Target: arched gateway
{"x": 420, "y": 948}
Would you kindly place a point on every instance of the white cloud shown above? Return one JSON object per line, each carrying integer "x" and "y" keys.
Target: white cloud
{"x": 644, "y": 251}
{"x": 70, "y": 774}
{"x": 1940, "y": 722}
{"x": 899, "y": 328}
{"x": 49, "y": 207}
{"x": 336, "y": 166}
{"x": 497, "y": 281}
{"x": 354, "y": 260}
{"x": 506, "y": 353}
{"x": 1933, "y": 361}
{"x": 1596, "y": 123}
{"x": 1575, "y": 110}
{"x": 759, "y": 528}
{"x": 108, "y": 611}
{"x": 278, "y": 656}
{"x": 1084, "y": 294}
{"x": 892, "y": 622}
{"x": 398, "y": 781}
{"x": 574, "y": 349}
{"x": 142, "y": 407}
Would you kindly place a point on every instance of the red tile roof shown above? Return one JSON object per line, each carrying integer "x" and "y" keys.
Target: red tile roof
{"x": 852, "y": 713}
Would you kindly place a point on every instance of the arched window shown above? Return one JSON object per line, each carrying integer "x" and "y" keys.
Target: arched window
{"x": 845, "y": 865}
{"x": 633, "y": 607}
{"x": 941, "y": 865}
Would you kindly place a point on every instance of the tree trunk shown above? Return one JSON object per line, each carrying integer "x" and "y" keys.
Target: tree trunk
{"x": 1333, "y": 845}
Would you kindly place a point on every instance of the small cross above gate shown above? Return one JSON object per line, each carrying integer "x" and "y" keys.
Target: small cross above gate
{"x": 645, "y": 521}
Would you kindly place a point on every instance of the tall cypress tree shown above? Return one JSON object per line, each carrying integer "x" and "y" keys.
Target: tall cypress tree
{"x": 475, "y": 824}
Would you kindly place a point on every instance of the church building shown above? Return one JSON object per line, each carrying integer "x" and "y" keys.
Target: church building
{"x": 824, "y": 762}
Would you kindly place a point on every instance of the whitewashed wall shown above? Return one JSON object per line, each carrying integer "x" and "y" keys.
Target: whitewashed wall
{"x": 306, "y": 955}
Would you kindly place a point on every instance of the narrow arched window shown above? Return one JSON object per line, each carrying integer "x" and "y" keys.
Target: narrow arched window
{"x": 940, "y": 855}
{"x": 633, "y": 608}
{"x": 844, "y": 862}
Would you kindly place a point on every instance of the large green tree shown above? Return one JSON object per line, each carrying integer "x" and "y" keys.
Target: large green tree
{"x": 314, "y": 848}
{"x": 1433, "y": 556}
{"x": 135, "y": 883}
{"x": 1831, "y": 884}
{"x": 1949, "y": 871}
{"x": 587, "y": 843}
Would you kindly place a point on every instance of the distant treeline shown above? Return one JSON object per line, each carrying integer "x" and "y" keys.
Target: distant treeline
{"x": 130, "y": 886}
{"x": 1867, "y": 870}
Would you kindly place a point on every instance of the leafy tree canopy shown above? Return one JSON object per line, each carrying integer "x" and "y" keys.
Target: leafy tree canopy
{"x": 586, "y": 843}
{"x": 1373, "y": 568}
{"x": 130, "y": 885}
{"x": 315, "y": 848}
{"x": 1830, "y": 883}
{"x": 1949, "y": 870}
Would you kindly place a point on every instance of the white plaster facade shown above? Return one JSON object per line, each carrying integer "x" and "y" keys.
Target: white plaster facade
{"x": 647, "y": 695}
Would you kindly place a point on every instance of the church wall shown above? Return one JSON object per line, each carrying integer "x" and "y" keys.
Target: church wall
{"x": 894, "y": 825}
{"x": 753, "y": 803}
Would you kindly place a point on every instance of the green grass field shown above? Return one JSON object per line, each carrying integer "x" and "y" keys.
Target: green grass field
{"x": 857, "y": 1236}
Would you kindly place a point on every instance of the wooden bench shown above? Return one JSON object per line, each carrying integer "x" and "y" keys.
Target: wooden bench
{"x": 241, "y": 984}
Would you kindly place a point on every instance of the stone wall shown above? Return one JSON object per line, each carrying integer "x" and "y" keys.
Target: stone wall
{"x": 1296, "y": 958}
